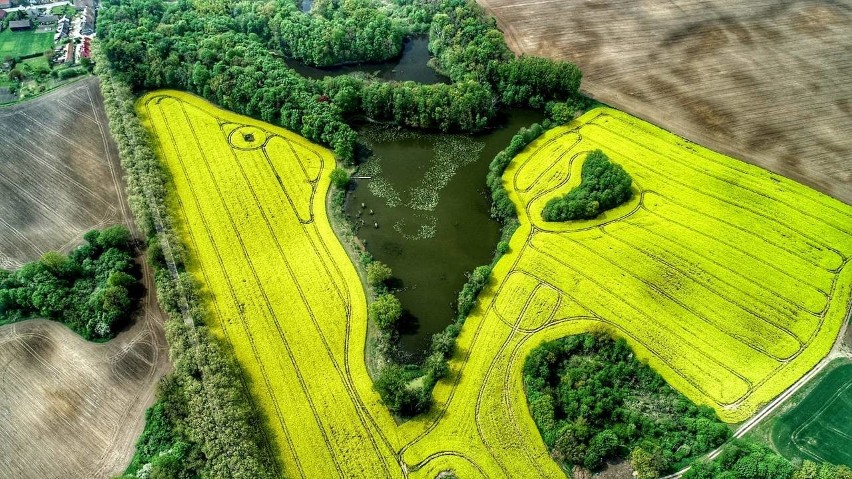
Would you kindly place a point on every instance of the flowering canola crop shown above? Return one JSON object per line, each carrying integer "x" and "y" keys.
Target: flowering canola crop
{"x": 731, "y": 281}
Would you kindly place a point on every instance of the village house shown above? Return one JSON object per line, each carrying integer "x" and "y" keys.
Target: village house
{"x": 85, "y": 49}
{"x": 62, "y": 29}
{"x": 5, "y": 4}
{"x": 46, "y": 19}
{"x": 18, "y": 25}
{"x": 88, "y": 19}
{"x": 69, "y": 53}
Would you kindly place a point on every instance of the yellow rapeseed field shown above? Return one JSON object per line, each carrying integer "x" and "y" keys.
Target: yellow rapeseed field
{"x": 731, "y": 281}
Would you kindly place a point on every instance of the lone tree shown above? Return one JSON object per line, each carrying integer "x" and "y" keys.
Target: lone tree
{"x": 339, "y": 178}
{"x": 378, "y": 273}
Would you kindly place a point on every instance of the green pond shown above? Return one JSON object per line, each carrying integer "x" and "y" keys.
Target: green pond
{"x": 410, "y": 66}
{"x": 427, "y": 194}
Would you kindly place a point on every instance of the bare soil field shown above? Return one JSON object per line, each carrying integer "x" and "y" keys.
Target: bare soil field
{"x": 68, "y": 407}
{"x": 59, "y": 173}
{"x": 766, "y": 82}
{"x": 72, "y": 408}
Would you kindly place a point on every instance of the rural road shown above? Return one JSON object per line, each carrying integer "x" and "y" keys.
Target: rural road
{"x": 30, "y": 7}
{"x": 837, "y": 351}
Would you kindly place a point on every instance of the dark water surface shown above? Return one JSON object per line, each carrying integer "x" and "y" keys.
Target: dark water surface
{"x": 430, "y": 250}
{"x": 411, "y": 65}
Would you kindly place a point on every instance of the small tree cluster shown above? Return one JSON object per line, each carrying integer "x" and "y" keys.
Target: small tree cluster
{"x": 399, "y": 392}
{"x": 604, "y": 185}
{"x": 593, "y": 401}
{"x": 91, "y": 290}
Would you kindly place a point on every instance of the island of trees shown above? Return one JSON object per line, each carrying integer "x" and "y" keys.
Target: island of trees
{"x": 604, "y": 185}
{"x": 593, "y": 402}
{"x": 93, "y": 290}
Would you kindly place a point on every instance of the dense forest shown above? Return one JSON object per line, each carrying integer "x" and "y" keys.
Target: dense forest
{"x": 229, "y": 52}
{"x": 749, "y": 460}
{"x": 93, "y": 290}
{"x": 603, "y": 186}
{"x": 334, "y": 32}
{"x": 594, "y": 401}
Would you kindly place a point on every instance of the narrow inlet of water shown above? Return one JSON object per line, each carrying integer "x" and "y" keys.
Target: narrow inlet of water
{"x": 427, "y": 194}
{"x": 412, "y": 65}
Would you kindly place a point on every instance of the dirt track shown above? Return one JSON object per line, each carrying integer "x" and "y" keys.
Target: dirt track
{"x": 766, "y": 82}
{"x": 68, "y": 407}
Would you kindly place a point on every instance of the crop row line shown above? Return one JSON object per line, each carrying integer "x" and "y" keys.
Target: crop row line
{"x": 222, "y": 268}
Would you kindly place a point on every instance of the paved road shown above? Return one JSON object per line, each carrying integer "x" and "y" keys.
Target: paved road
{"x": 46, "y": 5}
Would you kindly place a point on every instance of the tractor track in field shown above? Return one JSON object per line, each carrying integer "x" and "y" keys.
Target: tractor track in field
{"x": 410, "y": 447}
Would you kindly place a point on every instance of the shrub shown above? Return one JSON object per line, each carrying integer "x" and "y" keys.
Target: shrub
{"x": 385, "y": 311}
{"x": 339, "y": 178}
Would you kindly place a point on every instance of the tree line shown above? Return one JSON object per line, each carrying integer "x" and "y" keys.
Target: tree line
{"x": 93, "y": 290}
{"x": 203, "y": 412}
{"x": 744, "y": 459}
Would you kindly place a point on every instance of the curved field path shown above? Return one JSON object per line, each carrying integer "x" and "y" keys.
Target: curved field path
{"x": 705, "y": 237}
{"x": 766, "y": 82}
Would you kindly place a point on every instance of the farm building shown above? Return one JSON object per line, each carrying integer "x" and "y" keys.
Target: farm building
{"x": 62, "y": 29}
{"x": 88, "y": 25}
{"x": 85, "y": 50}
{"x": 5, "y": 4}
{"x": 18, "y": 25}
{"x": 81, "y": 4}
{"x": 69, "y": 53}
{"x": 46, "y": 19}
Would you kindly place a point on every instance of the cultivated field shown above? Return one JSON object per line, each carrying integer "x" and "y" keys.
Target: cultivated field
{"x": 731, "y": 281}
{"x": 59, "y": 173}
{"x": 27, "y": 42}
{"x": 766, "y": 82}
{"x": 818, "y": 427}
{"x": 68, "y": 407}
{"x": 72, "y": 408}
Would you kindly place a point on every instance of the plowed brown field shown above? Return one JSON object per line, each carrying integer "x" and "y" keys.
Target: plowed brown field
{"x": 59, "y": 173}
{"x": 766, "y": 82}
{"x": 68, "y": 407}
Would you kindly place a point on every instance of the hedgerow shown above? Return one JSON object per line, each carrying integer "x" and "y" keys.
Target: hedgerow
{"x": 204, "y": 411}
